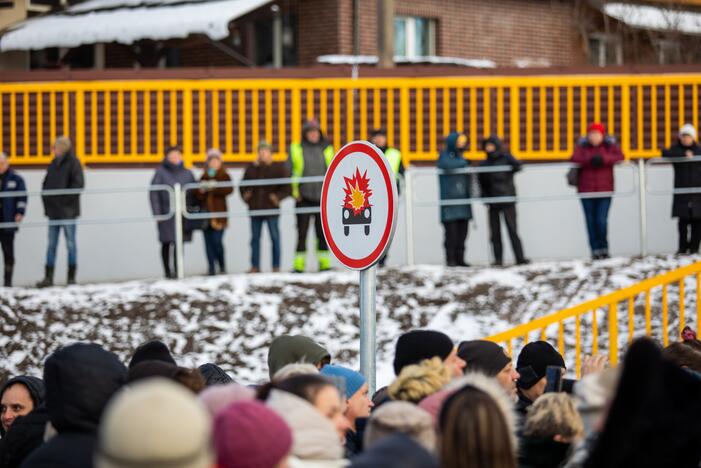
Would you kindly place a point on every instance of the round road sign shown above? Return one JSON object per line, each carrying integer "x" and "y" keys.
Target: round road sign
{"x": 359, "y": 205}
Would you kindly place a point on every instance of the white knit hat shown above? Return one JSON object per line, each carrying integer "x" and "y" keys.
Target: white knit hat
{"x": 688, "y": 129}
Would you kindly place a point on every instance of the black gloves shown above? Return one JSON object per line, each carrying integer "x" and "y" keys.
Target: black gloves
{"x": 597, "y": 161}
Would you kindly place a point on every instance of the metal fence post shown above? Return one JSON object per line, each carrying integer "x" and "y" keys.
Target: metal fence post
{"x": 178, "y": 213}
{"x": 368, "y": 346}
{"x": 409, "y": 213}
{"x": 642, "y": 204}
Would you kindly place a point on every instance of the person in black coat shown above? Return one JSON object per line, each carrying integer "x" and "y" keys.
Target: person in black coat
{"x": 12, "y": 210}
{"x": 687, "y": 175}
{"x": 80, "y": 380}
{"x": 64, "y": 172}
{"x": 501, "y": 184}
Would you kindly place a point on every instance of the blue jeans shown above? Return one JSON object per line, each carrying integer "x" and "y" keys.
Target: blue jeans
{"x": 69, "y": 234}
{"x": 596, "y": 212}
{"x": 256, "y": 231}
{"x": 215, "y": 249}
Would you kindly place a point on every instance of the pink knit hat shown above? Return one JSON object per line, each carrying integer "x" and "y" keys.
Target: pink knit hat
{"x": 249, "y": 435}
{"x": 432, "y": 404}
{"x": 218, "y": 397}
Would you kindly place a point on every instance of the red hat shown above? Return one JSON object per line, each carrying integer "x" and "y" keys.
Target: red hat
{"x": 247, "y": 434}
{"x": 596, "y": 127}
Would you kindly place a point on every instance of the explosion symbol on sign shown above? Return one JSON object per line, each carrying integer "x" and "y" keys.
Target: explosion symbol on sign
{"x": 356, "y": 204}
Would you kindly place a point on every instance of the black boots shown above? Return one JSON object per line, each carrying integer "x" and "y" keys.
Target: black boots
{"x": 48, "y": 278}
{"x": 8, "y": 275}
{"x": 71, "y": 274}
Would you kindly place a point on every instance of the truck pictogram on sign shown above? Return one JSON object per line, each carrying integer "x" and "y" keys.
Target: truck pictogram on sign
{"x": 357, "y": 209}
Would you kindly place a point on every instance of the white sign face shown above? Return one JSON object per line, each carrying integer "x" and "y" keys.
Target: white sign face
{"x": 359, "y": 205}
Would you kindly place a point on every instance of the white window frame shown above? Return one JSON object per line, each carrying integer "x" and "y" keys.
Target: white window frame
{"x": 602, "y": 42}
{"x": 410, "y": 32}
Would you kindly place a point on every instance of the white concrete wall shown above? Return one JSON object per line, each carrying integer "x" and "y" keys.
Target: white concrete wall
{"x": 549, "y": 230}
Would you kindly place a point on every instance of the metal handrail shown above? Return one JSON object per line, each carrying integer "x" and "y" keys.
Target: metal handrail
{"x": 91, "y": 221}
{"x": 664, "y": 161}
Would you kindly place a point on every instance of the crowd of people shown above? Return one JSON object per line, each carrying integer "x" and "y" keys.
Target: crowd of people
{"x": 595, "y": 157}
{"x": 464, "y": 406}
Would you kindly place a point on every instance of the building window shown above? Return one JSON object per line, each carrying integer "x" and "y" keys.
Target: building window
{"x": 605, "y": 50}
{"x": 414, "y": 36}
{"x": 7, "y": 4}
{"x": 668, "y": 52}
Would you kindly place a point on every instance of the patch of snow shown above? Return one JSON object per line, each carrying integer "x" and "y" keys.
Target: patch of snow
{"x": 373, "y": 59}
{"x": 126, "y": 22}
{"x": 528, "y": 62}
{"x": 655, "y": 18}
{"x": 231, "y": 320}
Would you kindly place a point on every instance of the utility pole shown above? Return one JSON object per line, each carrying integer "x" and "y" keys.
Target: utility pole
{"x": 385, "y": 33}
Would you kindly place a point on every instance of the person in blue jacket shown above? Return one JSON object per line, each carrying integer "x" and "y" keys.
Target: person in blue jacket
{"x": 455, "y": 218}
{"x": 12, "y": 210}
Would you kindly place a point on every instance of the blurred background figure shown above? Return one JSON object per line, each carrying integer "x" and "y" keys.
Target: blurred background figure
{"x": 12, "y": 210}
{"x": 687, "y": 206}
{"x": 265, "y": 197}
{"x": 171, "y": 171}
{"x": 64, "y": 172}
{"x": 213, "y": 200}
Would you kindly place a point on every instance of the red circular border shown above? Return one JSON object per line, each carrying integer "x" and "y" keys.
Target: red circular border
{"x": 368, "y": 261}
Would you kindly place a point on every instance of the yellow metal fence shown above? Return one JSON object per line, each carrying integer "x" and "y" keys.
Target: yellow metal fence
{"x": 610, "y": 321}
{"x": 540, "y": 117}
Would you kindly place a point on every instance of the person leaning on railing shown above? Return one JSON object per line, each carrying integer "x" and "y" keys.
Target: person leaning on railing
{"x": 455, "y": 218}
{"x": 171, "y": 171}
{"x": 310, "y": 158}
{"x": 596, "y": 155}
{"x": 265, "y": 197}
{"x": 213, "y": 200}
{"x": 64, "y": 172}
{"x": 501, "y": 184}
{"x": 686, "y": 206}
{"x": 12, "y": 210}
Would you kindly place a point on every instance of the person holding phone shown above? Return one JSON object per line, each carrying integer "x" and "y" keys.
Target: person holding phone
{"x": 532, "y": 366}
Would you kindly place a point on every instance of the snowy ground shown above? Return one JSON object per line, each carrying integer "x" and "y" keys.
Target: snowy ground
{"x": 230, "y": 320}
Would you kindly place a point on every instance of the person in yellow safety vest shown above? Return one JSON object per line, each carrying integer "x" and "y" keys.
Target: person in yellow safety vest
{"x": 309, "y": 158}
{"x": 378, "y": 137}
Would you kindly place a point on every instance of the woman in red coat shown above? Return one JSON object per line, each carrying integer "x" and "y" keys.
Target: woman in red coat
{"x": 596, "y": 155}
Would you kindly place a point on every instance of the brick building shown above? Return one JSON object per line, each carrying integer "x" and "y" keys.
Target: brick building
{"x": 478, "y": 33}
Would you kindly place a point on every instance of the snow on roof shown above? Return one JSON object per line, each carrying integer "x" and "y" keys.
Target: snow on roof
{"x": 655, "y": 18}
{"x": 372, "y": 59}
{"x": 126, "y": 21}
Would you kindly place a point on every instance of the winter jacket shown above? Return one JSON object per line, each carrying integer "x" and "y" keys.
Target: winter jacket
{"x": 454, "y": 186}
{"x": 354, "y": 444}
{"x": 314, "y": 436}
{"x": 80, "y": 380}
{"x": 214, "y": 200}
{"x": 10, "y": 207}
{"x": 168, "y": 174}
{"x": 499, "y": 184}
{"x": 596, "y": 165}
{"x": 288, "y": 349}
{"x": 395, "y": 451}
{"x": 308, "y": 159}
{"x": 542, "y": 452}
{"x": 265, "y": 197}
{"x": 26, "y": 434}
{"x": 686, "y": 175}
{"x": 64, "y": 172}
{"x": 35, "y": 387}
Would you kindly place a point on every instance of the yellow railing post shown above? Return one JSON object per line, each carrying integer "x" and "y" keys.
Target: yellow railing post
{"x": 80, "y": 124}
{"x": 187, "y": 127}
{"x": 514, "y": 125}
{"x": 404, "y": 109}
{"x": 625, "y": 120}
{"x": 613, "y": 333}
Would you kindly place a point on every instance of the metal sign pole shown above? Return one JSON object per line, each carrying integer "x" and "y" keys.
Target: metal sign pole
{"x": 368, "y": 288}
{"x": 642, "y": 204}
{"x": 179, "y": 253}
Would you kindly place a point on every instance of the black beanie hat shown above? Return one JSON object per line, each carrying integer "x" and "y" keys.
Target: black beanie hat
{"x": 534, "y": 360}
{"x": 152, "y": 351}
{"x": 417, "y": 345}
{"x": 483, "y": 356}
